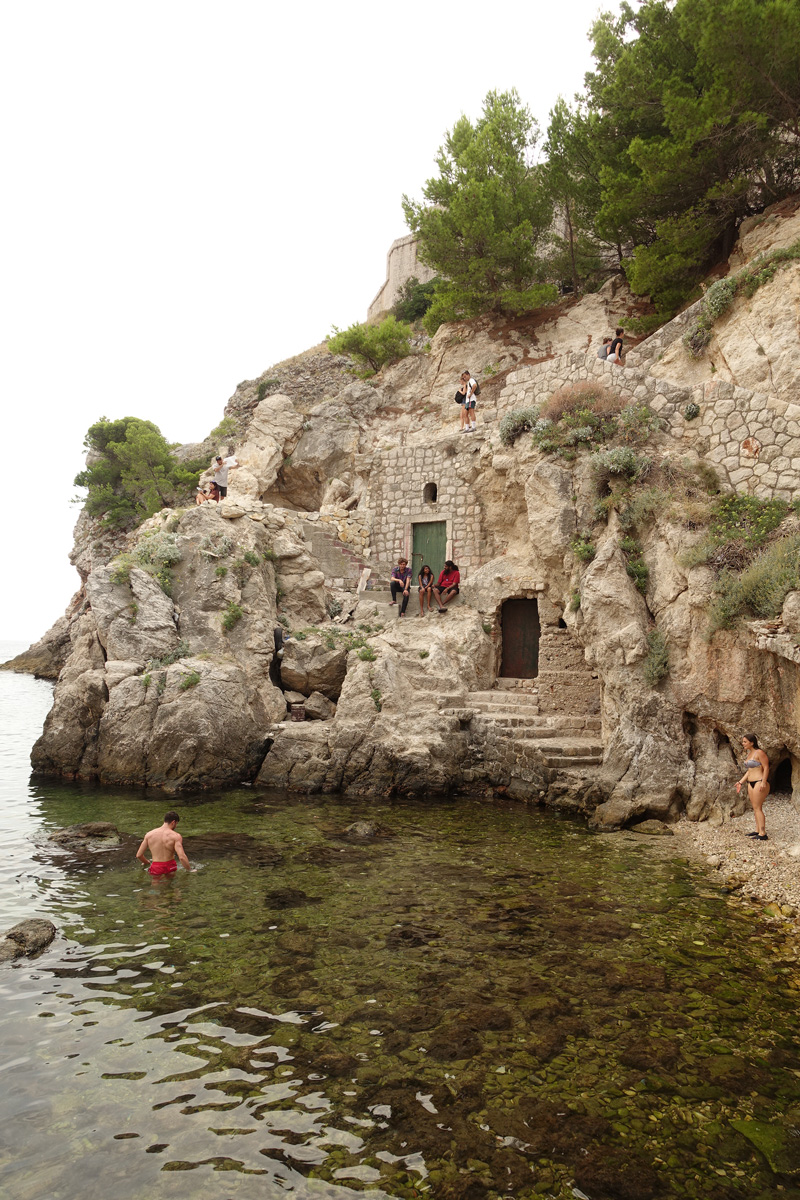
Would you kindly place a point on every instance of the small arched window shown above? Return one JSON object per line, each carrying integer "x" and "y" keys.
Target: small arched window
{"x": 429, "y": 493}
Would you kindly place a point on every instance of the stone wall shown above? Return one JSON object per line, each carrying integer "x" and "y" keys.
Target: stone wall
{"x": 397, "y": 480}
{"x": 752, "y": 439}
{"x": 401, "y": 264}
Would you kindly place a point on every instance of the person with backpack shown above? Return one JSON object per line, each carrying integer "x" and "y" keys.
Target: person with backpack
{"x": 460, "y": 397}
{"x": 473, "y": 390}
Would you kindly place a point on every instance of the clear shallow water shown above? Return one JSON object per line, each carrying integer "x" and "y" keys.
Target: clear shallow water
{"x": 486, "y": 1002}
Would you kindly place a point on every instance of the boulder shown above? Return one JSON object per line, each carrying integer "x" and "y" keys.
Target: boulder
{"x": 27, "y": 938}
{"x": 319, "y": 707}
{"x": 325, "y": 451}
{"x": 312, "y": 666}
{"x": 134, "y": 621}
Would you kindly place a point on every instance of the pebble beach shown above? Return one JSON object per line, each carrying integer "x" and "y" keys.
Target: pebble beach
{"x": 765, "y": 872}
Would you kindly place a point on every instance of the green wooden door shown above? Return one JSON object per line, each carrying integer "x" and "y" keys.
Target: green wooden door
{"x": 429, "y": 546}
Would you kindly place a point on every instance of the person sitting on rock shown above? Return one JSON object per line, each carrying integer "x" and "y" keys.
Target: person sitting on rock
{"x": 615, "y": 349}
{"x": 400, "y": 582}
{"x": 209, "y": 492}
{"x": 164, "y": 844}
{"x": 605, "y": 348}
{"x": 447, "y": 585}
{"x": 425, "y": 580}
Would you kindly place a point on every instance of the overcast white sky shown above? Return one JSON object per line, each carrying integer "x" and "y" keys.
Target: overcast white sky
{"x": 194, "y": 191}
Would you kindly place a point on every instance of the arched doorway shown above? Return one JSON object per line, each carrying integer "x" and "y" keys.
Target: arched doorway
{"x": 519, "y": 622}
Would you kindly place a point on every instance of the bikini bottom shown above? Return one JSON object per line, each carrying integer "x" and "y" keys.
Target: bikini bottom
{"x": 754, "y": 782}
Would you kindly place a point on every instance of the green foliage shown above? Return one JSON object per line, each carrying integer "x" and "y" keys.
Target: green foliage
{"x": 251, "y": 557}
{"x": 146, "y": 680}
{"x": 182, "y": 650}
{"x": 267, "y": 385}
{"x": 189, "y": 681}
{"x": 424, "y": 653}
{"x": 692, "y": 411}
{"x": 270, "y": 555}
{"x": 376, "y": 698}
{"x": 227, "y": 429}
{"x": 760, "y": 590}
{"x": 157, "y": 552}
{"x": 485, "y": 218}
{"x": 221, "y": 572}
{"x": 583, "y": 547}
{"x": 134, "y": 612}
{"x": 415, "y": 299}
{"x": 656, "y": 664}
{"x": 721, "y": 295}
{"x": 635, "y": 565}
{"x": 620, "y": 460}
{"x": 216, "y": 545}
{"x": 375, "y": 345}
{"x": 738, "y": 527}
{"x": 161, "y": 683}
{"x": 232, "y": 616}
{"x": 120, "y": 568}
{"x": 333, "y": 606}
{"x": 693, "y": 112}
{"x": 133, "y": 473}
{"x": 517, "y": 422}
{"x": 575, "y": 602}
{"x": 367, "y": 654}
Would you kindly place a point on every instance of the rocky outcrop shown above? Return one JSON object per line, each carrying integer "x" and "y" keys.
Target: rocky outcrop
{"x": 178, "y": 682}
{"x": 26, "y": 939}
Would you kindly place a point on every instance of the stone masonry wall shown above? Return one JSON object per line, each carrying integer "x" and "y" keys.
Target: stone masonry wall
{"x": 401, "y": 264}
{"x": 752, "y": 439}
{"x": 397, "y": 480}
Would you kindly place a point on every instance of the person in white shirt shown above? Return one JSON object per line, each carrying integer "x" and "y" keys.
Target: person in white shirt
{"x": 221, "y": 467}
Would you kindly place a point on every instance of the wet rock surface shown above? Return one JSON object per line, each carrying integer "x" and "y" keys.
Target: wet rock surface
{"x": 28, "y": 938}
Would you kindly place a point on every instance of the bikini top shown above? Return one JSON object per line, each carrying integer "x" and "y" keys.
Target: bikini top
{"x": 752, "y": 762}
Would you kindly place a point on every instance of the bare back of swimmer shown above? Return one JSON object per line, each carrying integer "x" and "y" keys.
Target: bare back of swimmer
{"x": 164, "y": 844}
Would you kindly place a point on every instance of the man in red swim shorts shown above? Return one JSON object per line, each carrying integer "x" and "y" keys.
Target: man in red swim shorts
{"x": 164, "y": 844}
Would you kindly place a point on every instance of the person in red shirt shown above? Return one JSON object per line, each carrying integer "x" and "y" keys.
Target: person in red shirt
{"x": 447, "y": 585}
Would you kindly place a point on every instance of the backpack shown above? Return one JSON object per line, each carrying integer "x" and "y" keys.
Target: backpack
{"x": 477, "y": 391}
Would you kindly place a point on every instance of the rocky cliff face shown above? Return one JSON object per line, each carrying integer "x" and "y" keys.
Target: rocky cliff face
{"x": 339, "y": 477}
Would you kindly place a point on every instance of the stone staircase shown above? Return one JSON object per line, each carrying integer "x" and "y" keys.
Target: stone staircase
{"x": 564, "y": 742}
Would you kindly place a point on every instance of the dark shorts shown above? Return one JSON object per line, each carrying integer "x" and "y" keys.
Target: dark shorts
{"x": 223, "y": 491}
{"x": 442, "y": 590}
{"x": 469, "y": 403}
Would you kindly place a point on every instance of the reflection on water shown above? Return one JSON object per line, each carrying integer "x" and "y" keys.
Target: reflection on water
{"x": 488, "y": 1002}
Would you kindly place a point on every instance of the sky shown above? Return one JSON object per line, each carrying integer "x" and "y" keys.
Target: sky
{"x": 194, "y": 191}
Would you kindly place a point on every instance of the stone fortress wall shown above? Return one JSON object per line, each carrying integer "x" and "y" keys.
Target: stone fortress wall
{"x": 401, "y": 264}
{"x": 751, "y": 438}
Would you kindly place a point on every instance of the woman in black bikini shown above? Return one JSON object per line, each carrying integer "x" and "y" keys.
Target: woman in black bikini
{"x": 756, "y": 777}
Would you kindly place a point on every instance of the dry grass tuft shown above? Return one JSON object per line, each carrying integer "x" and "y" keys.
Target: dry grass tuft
{"x": 578, "y": 396}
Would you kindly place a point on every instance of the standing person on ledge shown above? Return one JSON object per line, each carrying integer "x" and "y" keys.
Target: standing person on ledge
{"x": 756, "y": 776}
{"x": 447, "y": 585}
{"x": 469, "y": 403}
{"x": 164, "y": 843}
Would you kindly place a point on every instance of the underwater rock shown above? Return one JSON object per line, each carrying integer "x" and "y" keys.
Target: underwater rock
{"x": 454, "y": 1042}
{"x": 361, "y": 830}
{"x": 224, "y": 845}
{"x": 609, "y": 1174}
{"x": 653, "y": 828}
{"x": 780, "y": 1146}
{"x": 26, "y": 938}
{"x": 411, "y": 935}
{"x": 289, "y": 898}
{"x": 83, "y": 835}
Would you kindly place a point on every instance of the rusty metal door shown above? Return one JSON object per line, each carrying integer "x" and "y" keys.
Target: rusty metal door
{"x": 520, "y": 625}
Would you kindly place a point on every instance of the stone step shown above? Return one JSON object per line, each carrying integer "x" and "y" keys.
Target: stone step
{"x": 506, "y": 697}
{"x": 558, "y": 760}
{"x": 496, "y": 711}
{"x": 566, "y": 747}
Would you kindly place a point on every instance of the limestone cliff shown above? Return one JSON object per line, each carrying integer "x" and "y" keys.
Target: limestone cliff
{"x": 339, "y": 476}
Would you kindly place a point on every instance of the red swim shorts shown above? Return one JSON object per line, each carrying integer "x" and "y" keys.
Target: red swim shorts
{"x": 163, "y": 868}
